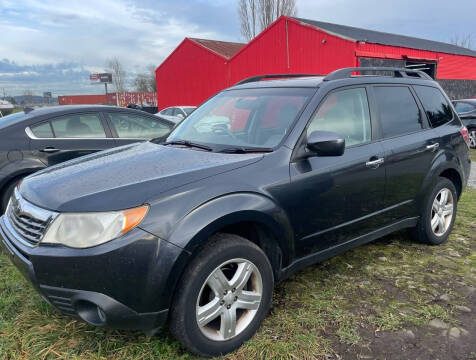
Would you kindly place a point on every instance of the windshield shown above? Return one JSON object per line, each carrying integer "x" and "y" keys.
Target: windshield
{"x": 189, "y": 110}
{"x": 246, "y": 118}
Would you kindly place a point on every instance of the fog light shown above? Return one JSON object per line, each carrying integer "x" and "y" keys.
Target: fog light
{"x": 90, "y": 312}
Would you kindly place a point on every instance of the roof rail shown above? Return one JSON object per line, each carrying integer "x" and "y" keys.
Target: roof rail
{"x": 272, "y": 76}
{"x": 397, "y": 72}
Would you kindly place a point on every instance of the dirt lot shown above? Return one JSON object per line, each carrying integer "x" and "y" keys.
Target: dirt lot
{"x": 392, "y": 299}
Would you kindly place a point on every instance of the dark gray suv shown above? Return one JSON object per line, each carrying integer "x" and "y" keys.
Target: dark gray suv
{"x": 261, "y": 180}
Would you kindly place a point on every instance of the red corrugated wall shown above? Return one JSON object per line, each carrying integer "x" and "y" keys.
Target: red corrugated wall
{"x": 289, "y": 47}
{"x": 140, "y": 98}
{"x": 449, "y": 66}
{"x": 189, "y": 75}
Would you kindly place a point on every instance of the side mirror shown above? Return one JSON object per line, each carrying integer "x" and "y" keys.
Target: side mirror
{"x": 180, "y": 116}
{"x": 326, "y": 143}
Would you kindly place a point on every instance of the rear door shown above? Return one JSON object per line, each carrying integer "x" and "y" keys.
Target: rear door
{"x": 130, "y": 127}
{"x": 410, "y": 146}
{"x": 69, "y": 136}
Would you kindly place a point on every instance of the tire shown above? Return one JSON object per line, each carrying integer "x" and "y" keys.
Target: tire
{"x": 431, "y": 214}
{"x": 5, "y": 198}
{"x": 472, "y": 138}
{"x": 194, "y": 294}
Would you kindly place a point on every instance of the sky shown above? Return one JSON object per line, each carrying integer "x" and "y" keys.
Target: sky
{"x": 51, "y": 45}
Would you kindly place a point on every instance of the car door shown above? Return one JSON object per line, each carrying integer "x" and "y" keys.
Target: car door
{"x": 336, "y": 199}
{"x": 69, "y": 136}
{"x": 128, "y": 127}
{"x": 410, "y": 146}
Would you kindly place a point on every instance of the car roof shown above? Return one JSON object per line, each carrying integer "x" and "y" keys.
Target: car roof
{"x": 317, "y": 81}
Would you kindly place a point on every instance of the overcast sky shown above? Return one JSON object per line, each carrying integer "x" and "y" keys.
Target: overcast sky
{"x": 52, "y": 45}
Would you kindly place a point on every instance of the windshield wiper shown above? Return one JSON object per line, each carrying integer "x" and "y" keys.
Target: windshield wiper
{"x": 188, "y": 144}
{"x": 245, "y": 150}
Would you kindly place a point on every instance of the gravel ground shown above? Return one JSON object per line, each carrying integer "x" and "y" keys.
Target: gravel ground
{"x": 472, "y": 175}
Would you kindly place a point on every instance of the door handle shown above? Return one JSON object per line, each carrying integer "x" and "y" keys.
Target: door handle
{"x": 433, "y": 147}
{"x": 49, "y": 149}
{"x": 375, "y": 163}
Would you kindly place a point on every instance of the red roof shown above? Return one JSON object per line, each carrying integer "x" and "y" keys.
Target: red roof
{"x": 223, "y": 48}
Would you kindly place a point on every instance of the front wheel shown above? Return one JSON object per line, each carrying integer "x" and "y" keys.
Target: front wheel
{"x": 223, "y": 297}
{"x": 438, "y": 215}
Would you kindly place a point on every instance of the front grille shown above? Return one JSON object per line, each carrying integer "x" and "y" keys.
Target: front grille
{"x": 27, "y": 220}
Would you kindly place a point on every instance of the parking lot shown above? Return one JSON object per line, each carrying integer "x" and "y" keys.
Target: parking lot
{"x": 391, "y": 299}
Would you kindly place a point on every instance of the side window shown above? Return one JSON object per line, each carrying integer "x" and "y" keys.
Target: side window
{"x": 399, "y": 113}
{"x": 133, "y": 126}
{"x": 345, "y": 112}
{"x": 462, "y": 107}
{"x": 42, "y": 131}
{"x": 78, "y": 126}
{"x": 167, "y": 111}
{"x": 436, "y": 107}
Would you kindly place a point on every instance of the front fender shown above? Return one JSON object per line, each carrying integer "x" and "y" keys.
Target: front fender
{"x": 202, "y": 222}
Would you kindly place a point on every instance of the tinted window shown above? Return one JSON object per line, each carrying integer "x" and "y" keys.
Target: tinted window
{"x": 398, "y": 110}
{"x": 42, "y": 131}
{"x": 133, "y": 126}
{"x": 462, "y": 107}
{"x": 78, "y": 126}
{"x": 436, "y": 107}
{"x": 345, "y": 112}
{"x": 167, "y": 111}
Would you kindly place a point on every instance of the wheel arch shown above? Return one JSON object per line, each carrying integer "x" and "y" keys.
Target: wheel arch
{"x": 251, "y": 216}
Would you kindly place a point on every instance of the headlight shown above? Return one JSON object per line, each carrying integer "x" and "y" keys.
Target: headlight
{"x": 82, "y": 230}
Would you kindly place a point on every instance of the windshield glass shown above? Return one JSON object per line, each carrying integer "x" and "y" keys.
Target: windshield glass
{"x": 257, "y": 118}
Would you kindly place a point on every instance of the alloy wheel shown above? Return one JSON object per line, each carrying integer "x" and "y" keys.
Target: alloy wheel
{"x": 442, "y": 212}
{"x": 472, "y": 139}
{"x": 229, "y": 299}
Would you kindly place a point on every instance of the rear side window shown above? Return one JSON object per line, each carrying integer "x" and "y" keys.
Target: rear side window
{"x": 78, "y": 126}
{"x": 399, "y": 113}
{"x": 132, "y": 126}
{"x": 436, "y": 107}
{"x": 42, "y": 131}
{"x": 345, "y": 112}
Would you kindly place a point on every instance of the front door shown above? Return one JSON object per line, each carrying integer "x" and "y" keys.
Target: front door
{"x": 67, "y": 137}
{"x": 337, "y": 199}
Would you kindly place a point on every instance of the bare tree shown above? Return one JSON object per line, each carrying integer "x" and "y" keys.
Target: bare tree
{"x": 467, "y": 41}
{"x": 256, "y": 15}
{"x": 145, "y": 82}
{"x": 118, "y": 74}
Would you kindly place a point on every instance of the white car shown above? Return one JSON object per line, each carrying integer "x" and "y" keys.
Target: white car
{"x": 176, "y": 113}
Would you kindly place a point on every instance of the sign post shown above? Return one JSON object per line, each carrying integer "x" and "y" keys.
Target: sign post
{"x": 97, "y": 78}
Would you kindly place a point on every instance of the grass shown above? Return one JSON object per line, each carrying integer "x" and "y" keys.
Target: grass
{"x": 382, "y": 287}
{"x": 472, "y": 155}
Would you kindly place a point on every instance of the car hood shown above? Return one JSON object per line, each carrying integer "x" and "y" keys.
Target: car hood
{"x": 124, "y": 177}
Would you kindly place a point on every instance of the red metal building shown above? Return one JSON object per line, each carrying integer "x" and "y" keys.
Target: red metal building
{"x": 197, "y": 69}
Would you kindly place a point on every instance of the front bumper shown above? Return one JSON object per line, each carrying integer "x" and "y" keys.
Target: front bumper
{"x": 126, "y": 283}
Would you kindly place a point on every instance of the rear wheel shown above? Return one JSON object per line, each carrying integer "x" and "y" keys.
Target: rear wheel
{"x": 472, "y": 138}
{"x": 223, "y": 297}
{"x": 438, "y": 216}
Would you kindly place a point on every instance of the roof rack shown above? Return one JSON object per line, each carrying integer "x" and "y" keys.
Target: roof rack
{"x": 272, "y": 76}
{"x": 397, "y": 72}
